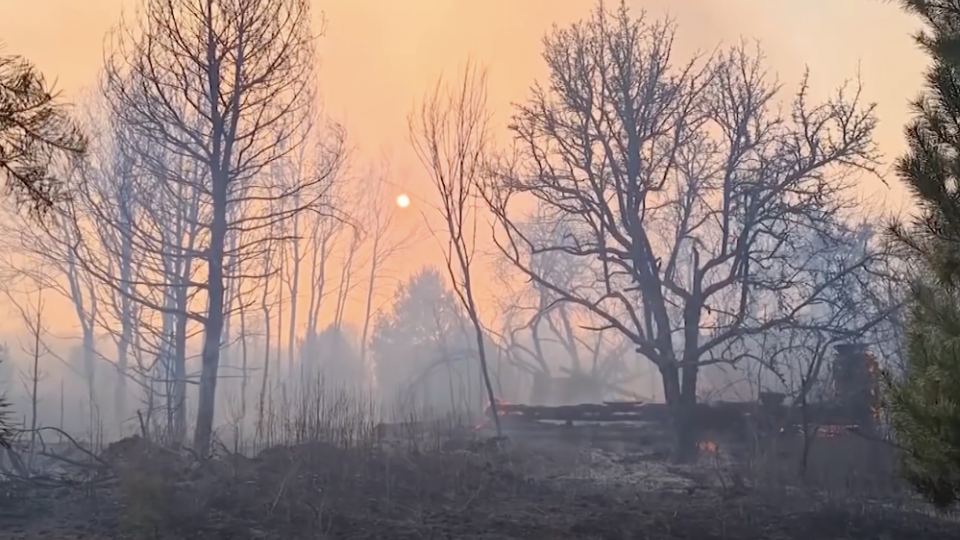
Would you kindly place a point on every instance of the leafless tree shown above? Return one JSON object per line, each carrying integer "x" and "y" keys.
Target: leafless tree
{"x": 129, "y": 223}
{"x": 226, "y": 85}
{"x": 270, "y": 257}
{"x": 350, "y": 248}
{"x": 450, "y": 134}
{"x": 42, "y": 252}
{"x": 798, "y": 355}
{"x": 293, "y": 167}
{"x": 324, "y": 233}
{"x": 543, "y": 327}
{"x": 685, "y": 184}
{"x": 32, "y": 315}
{"x": 384, "y": 239}
{"x": 107, "y": 175}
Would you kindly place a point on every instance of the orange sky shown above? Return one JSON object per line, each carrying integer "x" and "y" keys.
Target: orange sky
{"x": 379, "y": 56}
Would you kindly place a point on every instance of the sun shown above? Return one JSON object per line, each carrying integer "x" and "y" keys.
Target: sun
{"x": 403, "y": 200}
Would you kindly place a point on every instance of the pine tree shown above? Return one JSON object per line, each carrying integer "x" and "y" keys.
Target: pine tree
{"x": 35, "y": 132}
{"x": 923, "y": 403}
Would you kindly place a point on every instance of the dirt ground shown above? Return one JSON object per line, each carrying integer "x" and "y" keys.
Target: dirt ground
{"x": 317, "y": 491}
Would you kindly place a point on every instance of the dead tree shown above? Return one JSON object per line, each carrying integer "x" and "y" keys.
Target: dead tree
{"x": 324, "y": 233}
{"x": 683, "y": 183}
{"x": 32, "y": 315}
{"x": 798, "y": 354}
{"x": 108, "y": 171}
{"x": 384, "y": 238}
{"x": 349, "y": 251}
{"x": 545, "y": 328}
{"x": 46, "y": 256}
{"x": 227, "y": 85}
{"x": 449, "y": 132}
{"x": 135, "y": 225}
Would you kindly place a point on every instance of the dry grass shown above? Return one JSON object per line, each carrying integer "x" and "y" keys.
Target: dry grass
{"x": 318, "y": 464}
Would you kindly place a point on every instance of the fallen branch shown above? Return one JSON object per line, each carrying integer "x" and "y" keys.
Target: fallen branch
{"x": 73, "y": 441}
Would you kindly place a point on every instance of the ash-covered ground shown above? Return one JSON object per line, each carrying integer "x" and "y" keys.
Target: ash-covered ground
{"x": 468, "y": 490}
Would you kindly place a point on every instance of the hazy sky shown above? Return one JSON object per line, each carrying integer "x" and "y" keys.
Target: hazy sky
{"x": 379, "y": 56}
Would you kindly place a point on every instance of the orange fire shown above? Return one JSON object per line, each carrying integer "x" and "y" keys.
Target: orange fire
{"x": 707, "y": 446}
{"x": 488, "y": 416}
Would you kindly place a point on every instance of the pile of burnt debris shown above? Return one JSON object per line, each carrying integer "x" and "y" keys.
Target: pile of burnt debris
{"x": 851, "y": 409}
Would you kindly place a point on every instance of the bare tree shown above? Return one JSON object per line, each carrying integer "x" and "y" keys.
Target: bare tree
{"x": 324, "y": 232}
{"x": 130, "y": 223}
{"x": 384, "y": 239}
{"x": 107, "y": 174}
{"x": 227, "y": 85}
{"x": 32, "y": 315}
{"x": 450, "y": 134}
{"x": 684, "y": 184}
{"x": 345, "y": 285}
{"x": 798, "y": 354}
{"x": 544, "y": 328}
{"x": 269, "y": 259}
{"x": 42, "y": 252}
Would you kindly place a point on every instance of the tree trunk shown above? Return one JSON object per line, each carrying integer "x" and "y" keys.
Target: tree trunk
{"x": 280, "y": 268}
{"x": 244, "y": 369}
{"x": 481, "y": 349}
{"x": 261, "y": 399}
{"x": 126, "y": 323}
{"x": 343, "y": 293}
{"x": 368, "y": 309}
{"x": 90, "y": 365}
{"x": 213, "y": 326}
{"x": 294, "y": 294}
{"x": 177, "y": 399}
{"x": 120, "y": 390}
{"x": 680, "y": 392}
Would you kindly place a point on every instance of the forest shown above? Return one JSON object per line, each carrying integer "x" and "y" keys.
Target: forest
{"x": 641, "y": 228}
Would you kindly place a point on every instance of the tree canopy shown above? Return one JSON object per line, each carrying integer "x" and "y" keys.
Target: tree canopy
{"x": 692, "y": 189}
{"x": 35, "y": 131}
{"x": 425, "y": 329}
{"x": 924, "y": 402}
{"x": 424, "y": 351}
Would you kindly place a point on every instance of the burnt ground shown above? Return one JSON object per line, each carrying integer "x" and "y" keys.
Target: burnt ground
{"x": 317, "y": 491}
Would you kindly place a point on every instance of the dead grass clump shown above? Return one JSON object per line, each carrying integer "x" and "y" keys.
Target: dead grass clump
{"x": 320, "y": 459}
{"x": 317, "y": 486}
{"x": 149, "y": 478}
{"x": 146, "y": 501}
{"x": 844, "y": 467}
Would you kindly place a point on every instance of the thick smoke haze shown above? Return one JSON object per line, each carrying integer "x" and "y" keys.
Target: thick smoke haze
{"x": 378, "y": 58}
{"x": 497, "y": 269}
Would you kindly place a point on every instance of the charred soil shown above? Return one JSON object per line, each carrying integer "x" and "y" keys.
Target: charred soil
{"x": 315, "y": 490}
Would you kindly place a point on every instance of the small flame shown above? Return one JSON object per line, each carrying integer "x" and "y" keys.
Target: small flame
{"x": 489, "y": 414}
{"x": 707, "y": 446}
